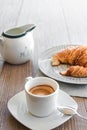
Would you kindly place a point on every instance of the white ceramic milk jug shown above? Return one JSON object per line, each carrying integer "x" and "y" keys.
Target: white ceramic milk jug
{"x": 17, "y": 44}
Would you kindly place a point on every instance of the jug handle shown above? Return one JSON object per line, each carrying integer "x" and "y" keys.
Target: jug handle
{"x": 1, "y": 40}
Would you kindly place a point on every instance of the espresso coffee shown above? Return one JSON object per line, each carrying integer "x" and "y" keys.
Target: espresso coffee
{"x": 42, "y": 90}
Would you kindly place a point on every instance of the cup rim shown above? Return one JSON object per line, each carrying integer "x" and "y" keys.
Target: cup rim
{"x": 42, "y": 96}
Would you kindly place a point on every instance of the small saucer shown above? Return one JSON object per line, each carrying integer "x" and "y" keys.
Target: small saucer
{"x": 18, "y": 109}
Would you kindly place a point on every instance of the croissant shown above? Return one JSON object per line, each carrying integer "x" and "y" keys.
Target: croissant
{"x": 75, "y": 71}
{"x": 73, "y": 55}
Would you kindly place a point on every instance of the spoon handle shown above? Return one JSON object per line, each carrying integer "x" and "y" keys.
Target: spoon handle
{"x": 83, "y": 117}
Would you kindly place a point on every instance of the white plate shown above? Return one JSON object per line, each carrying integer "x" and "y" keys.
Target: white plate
{"x": 45, "y": 66}
{"x": 17, "y": 107}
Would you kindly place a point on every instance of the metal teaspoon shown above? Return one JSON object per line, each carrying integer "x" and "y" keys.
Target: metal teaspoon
{"x": 69, "y": 111}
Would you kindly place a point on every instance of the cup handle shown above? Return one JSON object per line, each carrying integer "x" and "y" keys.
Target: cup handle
{"x": 28, "y": 78}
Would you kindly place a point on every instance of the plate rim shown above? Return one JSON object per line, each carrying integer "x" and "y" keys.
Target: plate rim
{"x": 23, "y": 91}
{"x": 54, "y": 77}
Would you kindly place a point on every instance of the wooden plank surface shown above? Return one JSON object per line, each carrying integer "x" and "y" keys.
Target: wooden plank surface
{"x": 9, "y": 13}
{"x": 75, "y": 14}
{"x": 58, "y": 22}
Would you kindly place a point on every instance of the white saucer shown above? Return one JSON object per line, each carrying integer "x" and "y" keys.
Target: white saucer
{"x": 17, "y": 107}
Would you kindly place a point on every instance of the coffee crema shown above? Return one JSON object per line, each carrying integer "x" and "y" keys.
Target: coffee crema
{"x": 42, "y": 90}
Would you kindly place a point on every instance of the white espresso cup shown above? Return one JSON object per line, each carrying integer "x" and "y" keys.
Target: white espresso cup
{"x": 39, "y": 104}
